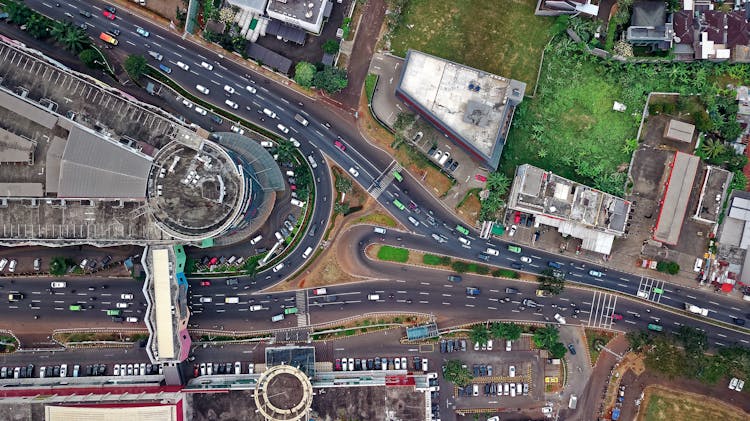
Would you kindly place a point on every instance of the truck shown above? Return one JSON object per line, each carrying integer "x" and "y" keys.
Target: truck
{"x": 573, "y": 402}
{"x": 696, "y": 310}
{"x": 156, "y": 55}
{"x": 108, "y": 38}
{"x": 301, "y": 120}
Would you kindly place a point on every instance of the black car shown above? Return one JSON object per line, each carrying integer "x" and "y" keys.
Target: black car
{"x": 110, "y": 9}
{"x": 56, "y": 371}
{"x": 485, "y": 257}
{"x": 432, "y": 150}
{"x": 511, "y": 290}
{"x": 738, "y": 321}
{"x": 106, "y": 260}
{"x": 89, "y": 370}
{"x": 572, "y": 349}
{"x": 453, "y": 166}
{"x": 217, "y": 119}
{"x": 443, "y": 346}
{"x": 84, "y": 13}
{"x": 516, "y": 265}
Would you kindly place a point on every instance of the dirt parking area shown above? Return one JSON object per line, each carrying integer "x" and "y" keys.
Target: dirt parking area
{"x": 165, "y": 8}
{"x": 662, "y": 404}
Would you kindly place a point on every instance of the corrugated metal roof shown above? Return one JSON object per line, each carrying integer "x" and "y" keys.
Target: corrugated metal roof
{"x": 143, "y": 413}
{"x": 93, "y": 167}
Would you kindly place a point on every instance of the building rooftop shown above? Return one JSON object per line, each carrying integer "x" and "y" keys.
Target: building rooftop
{"x": 473, "y": 106}
{"x": 680, "y": 131}
{"x": 303, "y": 10}
{"x": 676, "y": 197}
{"x": 575, "y": 209}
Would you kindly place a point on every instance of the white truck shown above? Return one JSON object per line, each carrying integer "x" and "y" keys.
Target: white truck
{"x": 155, "y": 55}
{"x": 696, "y": 310}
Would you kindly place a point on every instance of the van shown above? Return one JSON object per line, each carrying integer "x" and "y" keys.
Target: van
{"x": 256, "y": 240}
{"x": 269, "y": 113}
{"x": 301, "y": 120}
{"x": 296, "y": 202}
{"x": 278, "y": 235}
{"x": 373, "y": 297}
{"x": 277, "y": 318}
{"x": 232, "y": 300}
{"x": 380, "y": 230}
{"x": 307, "y": 252}
{"x": 312, "y": 162}
{"x": 464, "y": 241}
{"x": 413, "y": 221}
{"x": 202, "y": 89}
{"x": 183, "y": 66}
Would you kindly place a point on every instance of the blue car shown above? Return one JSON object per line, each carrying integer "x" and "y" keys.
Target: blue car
{"x": 571, "y": 349}
{"x": 165, "y": 69}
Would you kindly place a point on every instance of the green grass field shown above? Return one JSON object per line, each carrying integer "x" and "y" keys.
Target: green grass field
{"x": 431, "y": 259}
{"x": 393, "y": 254}
{"x": 499, "y": 36}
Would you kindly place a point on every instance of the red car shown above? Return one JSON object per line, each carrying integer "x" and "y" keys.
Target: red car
{"x": 616, "y": 316}
{"x": 109, "y": 15}
{"x": 480, "y": 177}
{"x": 293, "y": 187}
{"x": 340, "y": 145}
{"x": 517, "y": 218}
{"x": 213, "y": 261}
{"x": 337, "y": 367}
{"x": 205, "y": 283}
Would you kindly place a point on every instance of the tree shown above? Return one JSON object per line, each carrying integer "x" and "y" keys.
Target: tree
{"x": 304, "y": 73}
{"x": 512, "y": 331}
{"x": 479, "y": 334}
{"x": 75, "y": 39}
{"x": 498, "y": 182}
{"x": 343, "y": 184}
{"x": 89, "y": 57}
{"x": 457, "y": 373}
{"x": 58, "y": 266}
{"x": 38, "y": 26}
{"x": 638, "y": 339}
{"x": 712, "y": 148}
{"x": 557, "y": 350}
{"x": 546, "y": 337}
{"x": 285, "y": 149}
{"x": 497, "y": 330}
{"x": 331, "y": 79}
{"x": 331, "y": 46}
{"x": 59, "y": 29}
{"x": 551, "y": 281}
{"x": 667, "y": 266}
{"x": 135, "y": 65}
{"x": 17, "y": 12}
{"x": 342, "y": 208}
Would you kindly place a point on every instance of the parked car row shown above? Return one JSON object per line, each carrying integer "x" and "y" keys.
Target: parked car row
{"x": 17, "y": 372}
{"x": 141, "y": 369}
{"x": 377, "y": 363}
{"x": 209, "y": 369}
{"x": 452, "y": 345}
{"x": 76, "y": 370}
{"x": 496, "y": 389}
{"x": 211, "y": 262}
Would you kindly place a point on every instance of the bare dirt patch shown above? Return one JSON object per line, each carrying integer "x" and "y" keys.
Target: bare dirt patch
{"x": 469, "y": 209}
{"x": 662, "y": 404}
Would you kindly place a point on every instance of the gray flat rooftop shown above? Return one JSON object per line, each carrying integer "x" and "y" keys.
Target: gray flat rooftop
{"x": 304, "y": 10}
{"x": 676, "y": 197}
{"x": 473, "y": 104}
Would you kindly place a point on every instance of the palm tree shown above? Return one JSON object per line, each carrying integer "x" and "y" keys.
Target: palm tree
{"x": 59, "y": 29}
{"x": 497, "y": 330}
{"x": 545, "y": 337}
{"x": 512, "y": 331}
{"x": 712, "y": 148}
{"x": 18, "y": 12}
{"x": 497, "y": 182}
{"x": 37, "y": 26}
{"x": 75, "y": 39}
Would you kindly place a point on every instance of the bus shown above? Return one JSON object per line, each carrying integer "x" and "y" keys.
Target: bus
{"x": 397, "y": 176}
{"x": 655, "y": 327}
{"x": 108, "y": 38}
{"x": 114, "y": 312}
{"x": 462, "y": 230}
{"x": 290, "y": 310}
{"x": 74, "y": 307}
{"x": 514, "y": 249}
{"x": 398, "y": 204}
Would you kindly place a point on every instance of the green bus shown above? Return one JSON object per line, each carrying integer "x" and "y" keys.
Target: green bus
{"x": 74, "y": 307}
{"x": 514, "y": 249}
{"x": 397, "y": 176}
{"x": 114, "y": 312}
{"x": 658, "y": 290}
{"x": 290, "y": 310}
{"x": 398, "y": 204}
{"x": 462, "y": 230}
{"x": 655, "y": 327}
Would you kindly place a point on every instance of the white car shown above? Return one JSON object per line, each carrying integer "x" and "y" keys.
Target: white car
{"x": 476, "y": 346}
{"x": 512, "y": 371}
{"x": 269, "y": 113}
{"x": 351, "y": 364}
{"x": 560, "y": 319}
{"x": 238, "y": 130}
{"x": 122, "y": 305}
{"x": 64, "y": 370}
{"x": 58, "y": 284}
{"x": 489, "y": 345}
{"x": 203, "y": 369}
{"x": 397, "y": 363}
{"x": 278, "y": 267}
{"x": 424, "y": 364}
{"x": 492, "y": 252}
{"x": 131, "y": 319}
{"x": 237, "y": 368}
{"x": 207, "y": 66}
{"x": 126, "y": 296}
{"x": 320, "y": 291}
{"x": 512, "y": 230}
{"x": 200, "y": 111}
{"x": 228, "y": 89}
{"x": 12, "y": 266}
{"x": 37, "y": 264}
{"x": 117, "y": 370}
{"x": 526, "y": 259}
{"x": 187, "y": 103}
{"x": 353, "y": 172}
{"x": 282, "y": 128}
{"x": 231, "y": 104}
{"x": 508, "y": 346}
{"x": 206, "y": 299}
{"x": 202, "y": 89}
{"x": 256, "y": 307}
{"x": 251, "y": 89}
{"x": 3, "y": 262}
{"x": 404, "y": 364}
{"x": 183, "y": 66}
{"x": 464, "y": 241}
{"x": 266, "y": 144}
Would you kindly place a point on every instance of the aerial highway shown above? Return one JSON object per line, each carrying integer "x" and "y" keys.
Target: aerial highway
{"x": 373, "y": 165}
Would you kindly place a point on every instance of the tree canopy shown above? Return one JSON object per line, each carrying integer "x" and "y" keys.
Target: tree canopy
{"x": 135, "y": 65}
{"x": 304, "y": 73}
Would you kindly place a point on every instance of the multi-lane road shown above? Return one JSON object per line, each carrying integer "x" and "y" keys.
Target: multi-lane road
{"x": 373, "y": 165}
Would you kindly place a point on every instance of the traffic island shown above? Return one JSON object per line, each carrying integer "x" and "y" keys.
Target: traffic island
{"x": 99, "y": 338}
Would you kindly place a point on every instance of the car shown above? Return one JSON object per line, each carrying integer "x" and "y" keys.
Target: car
{"x": 453, "y": 166}
{"x": 512, "y": 231}
{"x": 206, "y": 299}
{"x": 202, "y": 89}
{"x": 187, "y": 103}
{"x": 320, "y": 291}
{"x": 131, "y": 319}
{"x": 339, "y": 145}
{"x": 482, "y": 256}
{"x": 517, "y": 217}
{"x": 126, "y": 296}
{"x": 526, "y": 259}
{"x": 121, "y": 305}
{"x": 595, "y": 273}
{"x": 351, "y": 364}
{"x": 12, "y": 265}
{"x": 37, "y": 264}
{"x": 489, "y": 370}
{"x": 278, "y": 267}
{"x": 63, "y": 370}
{"x": 231, "y": 104}
{"x": 444, "y": 158}
{"x": 109, "y": 15}
{"x": 200, "y": 111}
{"x": 492, "y": 252}
{"x": 425, "y": 364}
{"x": 397, "y": 363}
{"x": 489, "y": 345}
{"x": 183, "y": 66}
{"x": 237, "y": 367}
{"x": 207, "y": 66}
{"x": 251, "y": 89}
{"x": 698, "y": 265}
{"x": 480, "y": 177}
{"x": 282, "y": 128}
{"x": 238, "y": 130}
{"x": 117, "y": 370}
{"x": 110, "y": 9}
{"x": 454, "y": 278}
{"x": 508, "y": 345}
{"x": 58, "y": 284}
{"x": 516, "y": 265}
{"x": 404, "y": 364}
{"x": 476, "y": 346}
{"x": 337, "y": 365}
{"x": 466, "y": 242}
{"x": 142, "y": 32}
{"x": 572, "y": 349}
{"x": 738, "y": 321}
{"x": 3, "y": 263}
{"x": 353, "y": 172}
{"x": 512, "y": 371}
{"x": 85, "y": 13}
{"x": 76, "y": 370}
{"x": 228, "y": 89}
{"x": 106, "y": 260}
{"x": 616, "y": 316}
{"x": 205, "y": 283}
{"x": 560, "y": 319}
